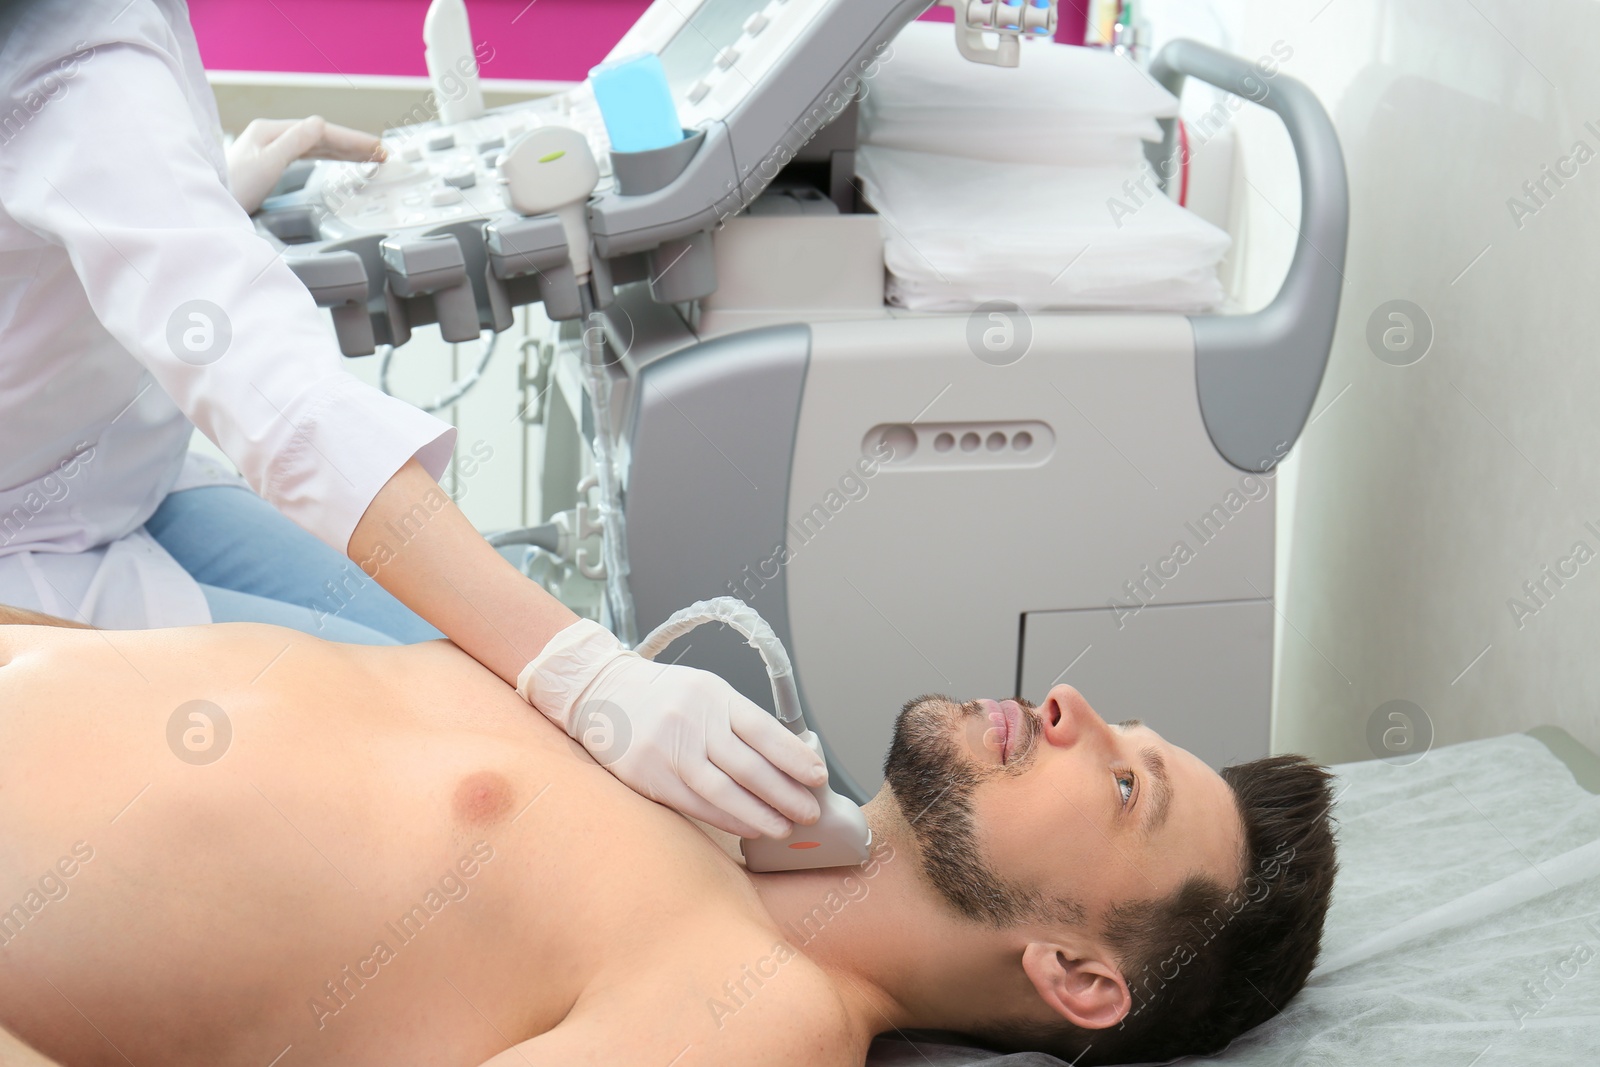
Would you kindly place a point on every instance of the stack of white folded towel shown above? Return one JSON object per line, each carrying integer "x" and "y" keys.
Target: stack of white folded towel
{"x": 1026, "y": 184}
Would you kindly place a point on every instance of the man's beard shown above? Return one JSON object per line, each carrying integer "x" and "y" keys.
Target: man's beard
{"x": 933, "y": 780}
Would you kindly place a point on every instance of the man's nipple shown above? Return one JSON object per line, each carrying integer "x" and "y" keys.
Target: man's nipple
{"x": 482, "y": 798}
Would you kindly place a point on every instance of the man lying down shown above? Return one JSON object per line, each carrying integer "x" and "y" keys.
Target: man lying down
{"x": 358, "y": 855}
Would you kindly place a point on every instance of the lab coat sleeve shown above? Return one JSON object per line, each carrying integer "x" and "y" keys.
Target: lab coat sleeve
{"x": 116, "y": 170}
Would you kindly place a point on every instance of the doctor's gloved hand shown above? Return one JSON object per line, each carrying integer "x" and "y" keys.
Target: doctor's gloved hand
{"x": 680, "y": 736}
{"x": 258, "y": 157}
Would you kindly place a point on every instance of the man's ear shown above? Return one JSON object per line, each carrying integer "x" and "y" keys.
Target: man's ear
{"x": 1086, "y": 991}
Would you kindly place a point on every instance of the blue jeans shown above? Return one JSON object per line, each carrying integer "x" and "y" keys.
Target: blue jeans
{"x": 256, "y": 565}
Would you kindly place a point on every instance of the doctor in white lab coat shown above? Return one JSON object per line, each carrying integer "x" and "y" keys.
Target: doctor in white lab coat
{"x": 137, "y": 303}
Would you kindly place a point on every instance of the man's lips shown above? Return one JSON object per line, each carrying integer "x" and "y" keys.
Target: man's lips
{"x": 1006, "y": 716}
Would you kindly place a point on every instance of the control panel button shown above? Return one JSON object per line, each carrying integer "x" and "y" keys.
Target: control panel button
{"x": 463, "y": 179}
{"x": 441, "y": 141}
{"x": 445, "y": 196}
{"x": 393, "y": 171}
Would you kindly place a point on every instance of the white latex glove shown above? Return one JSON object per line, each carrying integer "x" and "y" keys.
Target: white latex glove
{"x": 258, "y": 157}
{"x": 680, "y": 736}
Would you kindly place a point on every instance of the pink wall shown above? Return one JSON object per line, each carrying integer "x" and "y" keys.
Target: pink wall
{"x": 541, "y": 39}
{"x": 559, "y": 39}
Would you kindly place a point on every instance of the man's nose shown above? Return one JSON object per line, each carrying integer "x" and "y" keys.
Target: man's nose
{"x": 1066, "y": 717}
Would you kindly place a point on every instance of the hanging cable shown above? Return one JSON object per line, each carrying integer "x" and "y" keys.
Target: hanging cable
{"x": 457, "y": 389}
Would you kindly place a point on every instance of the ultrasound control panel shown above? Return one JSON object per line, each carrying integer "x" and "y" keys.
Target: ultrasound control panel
{"x": 433, "y": 234}
{"x": 435, "y": 175}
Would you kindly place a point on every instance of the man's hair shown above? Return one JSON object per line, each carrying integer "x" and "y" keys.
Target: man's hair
{"x": 1207, "y": 963}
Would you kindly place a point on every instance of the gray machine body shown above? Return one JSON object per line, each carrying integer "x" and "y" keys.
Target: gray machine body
{"x": 1111, "y": 524}
{"x": 1128, "y": 551}
{"x": 993, "y": 572}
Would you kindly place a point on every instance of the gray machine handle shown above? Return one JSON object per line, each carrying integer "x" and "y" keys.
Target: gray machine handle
{"x": 1258, "y": 374}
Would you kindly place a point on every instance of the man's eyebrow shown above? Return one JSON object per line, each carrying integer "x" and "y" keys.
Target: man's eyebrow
{"x": 1161, "y": 799}
{"x": 1128, "y": 724}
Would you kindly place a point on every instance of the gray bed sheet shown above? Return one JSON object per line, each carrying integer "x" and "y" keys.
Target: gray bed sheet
{"x": 1464, "y": 930}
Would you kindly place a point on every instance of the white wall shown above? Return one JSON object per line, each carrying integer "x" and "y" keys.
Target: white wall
{"x": 1422, "y": 497}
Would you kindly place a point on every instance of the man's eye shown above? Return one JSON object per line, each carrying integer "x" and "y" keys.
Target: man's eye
{"x": 1127, "y": 789}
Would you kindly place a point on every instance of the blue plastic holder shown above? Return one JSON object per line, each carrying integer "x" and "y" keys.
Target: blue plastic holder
{"x": 636, "y": 104}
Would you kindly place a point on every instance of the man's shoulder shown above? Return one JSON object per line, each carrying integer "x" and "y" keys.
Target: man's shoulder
{"x": 779, "y": 1007}
{"x": 752, "y": 1000}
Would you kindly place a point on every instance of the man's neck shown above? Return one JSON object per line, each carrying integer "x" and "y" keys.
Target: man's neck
{"x": 891, "y": 947}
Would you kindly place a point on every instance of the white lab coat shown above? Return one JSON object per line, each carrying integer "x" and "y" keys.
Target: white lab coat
{"x": 114, "y": 213}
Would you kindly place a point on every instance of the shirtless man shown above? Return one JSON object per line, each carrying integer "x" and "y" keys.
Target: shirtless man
{"x": 242, "y": 845}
